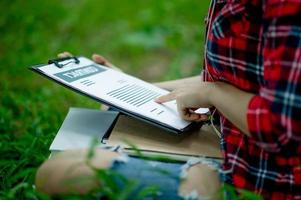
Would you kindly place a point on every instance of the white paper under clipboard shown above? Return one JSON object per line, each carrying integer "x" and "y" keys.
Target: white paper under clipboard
{"x": 125, "y": 93}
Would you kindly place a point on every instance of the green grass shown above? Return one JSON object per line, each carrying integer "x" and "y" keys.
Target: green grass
{"x": 154, "y": 40}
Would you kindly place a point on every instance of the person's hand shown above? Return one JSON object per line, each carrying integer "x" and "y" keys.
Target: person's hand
{"x": 189, "y": 99}
{"x": 95, "y": 57}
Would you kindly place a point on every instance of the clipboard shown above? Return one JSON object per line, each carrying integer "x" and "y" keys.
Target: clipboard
{"x": 128, "y": 95}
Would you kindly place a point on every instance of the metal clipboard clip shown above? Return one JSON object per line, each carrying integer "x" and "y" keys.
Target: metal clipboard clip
{"x": 57, "y": 61}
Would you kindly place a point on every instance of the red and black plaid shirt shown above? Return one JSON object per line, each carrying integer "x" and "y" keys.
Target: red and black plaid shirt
{"x": 255, "y": 45}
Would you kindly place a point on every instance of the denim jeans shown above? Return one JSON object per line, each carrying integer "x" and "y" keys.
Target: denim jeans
{"x": 166, "y": 176}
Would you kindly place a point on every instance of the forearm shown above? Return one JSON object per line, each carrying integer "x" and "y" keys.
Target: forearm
{"x": 232, "y": 103}
{"x": 172, "y": 85}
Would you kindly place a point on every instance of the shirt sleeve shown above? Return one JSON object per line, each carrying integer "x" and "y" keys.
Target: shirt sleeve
{"x": 274, "y": 115}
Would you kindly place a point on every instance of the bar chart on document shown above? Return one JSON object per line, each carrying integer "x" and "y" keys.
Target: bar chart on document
{"x": 119, "y": 89}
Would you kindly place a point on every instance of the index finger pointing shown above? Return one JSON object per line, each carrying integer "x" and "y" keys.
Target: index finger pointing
{"x": 165, "y": 98}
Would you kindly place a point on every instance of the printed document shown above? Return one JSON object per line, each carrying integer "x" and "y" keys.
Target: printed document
{"x": 119, "y": 90}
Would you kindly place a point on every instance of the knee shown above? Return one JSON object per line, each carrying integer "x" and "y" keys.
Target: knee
{"x": 203, "y": 180}
{"x": 68, "y": 172}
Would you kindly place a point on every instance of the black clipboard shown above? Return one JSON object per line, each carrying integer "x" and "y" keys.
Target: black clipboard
{"x": 75, "y": 60}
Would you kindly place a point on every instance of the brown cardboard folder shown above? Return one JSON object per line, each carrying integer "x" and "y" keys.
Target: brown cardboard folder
{"x": 152, "y": 140}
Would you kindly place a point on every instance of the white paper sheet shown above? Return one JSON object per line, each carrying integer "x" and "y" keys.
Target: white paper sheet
{"x": 119, "y": 89}
{"x": 81, "y": 127}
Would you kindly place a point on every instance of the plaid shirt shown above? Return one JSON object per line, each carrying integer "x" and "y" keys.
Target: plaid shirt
{"x": 255, "y": 45}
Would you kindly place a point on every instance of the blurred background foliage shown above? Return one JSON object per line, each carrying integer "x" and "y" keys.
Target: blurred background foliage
{"x": 152, "y": 39}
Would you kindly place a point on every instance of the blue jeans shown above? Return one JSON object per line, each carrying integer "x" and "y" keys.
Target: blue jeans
{"x": 165, "y": 176}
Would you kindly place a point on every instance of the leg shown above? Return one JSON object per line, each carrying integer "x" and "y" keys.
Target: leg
{"x": 57, "y": 175}
{"x": 201, "y": 179}
{"x": 61, "y": 175}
